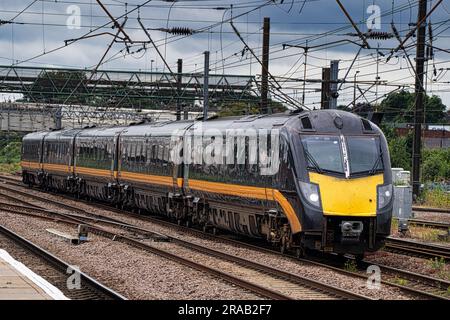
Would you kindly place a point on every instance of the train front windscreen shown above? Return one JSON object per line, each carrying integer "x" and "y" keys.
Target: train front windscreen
{"x": 346, "y": 156}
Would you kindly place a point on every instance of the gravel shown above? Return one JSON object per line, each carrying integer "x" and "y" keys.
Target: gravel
{"x": 413, "y": 264}
{"x": 322, "y": 274}
{"x": 433, "y": 216}
{"x": 129, "y": 271}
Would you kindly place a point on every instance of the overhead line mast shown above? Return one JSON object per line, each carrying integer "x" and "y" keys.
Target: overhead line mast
{"x": 419, "y": 96}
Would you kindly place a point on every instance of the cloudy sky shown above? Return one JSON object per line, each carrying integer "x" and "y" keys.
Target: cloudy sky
{"x": 39, "y": 27}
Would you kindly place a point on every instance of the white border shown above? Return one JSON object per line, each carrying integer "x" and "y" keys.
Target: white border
{"x": 49, "y": 289}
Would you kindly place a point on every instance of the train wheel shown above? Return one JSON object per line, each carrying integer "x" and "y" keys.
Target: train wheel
{"x": 359, "y": 260}
{"x": 300, "y": 253}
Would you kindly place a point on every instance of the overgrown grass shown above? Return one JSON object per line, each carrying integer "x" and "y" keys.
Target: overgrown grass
{"x": 350, "y": 265}
{"x": 437, "y": 264}
{"x": 10, "y": 167}
{"x": 10, "y": 148}
{"x": 394, "y": 225}
{"x": 400, "y": 281}
{"x": 435, "y": 198}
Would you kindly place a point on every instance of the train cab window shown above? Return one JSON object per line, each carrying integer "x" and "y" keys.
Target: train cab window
{"x": 364, "y": 154}
{"x": 323, "y": 153}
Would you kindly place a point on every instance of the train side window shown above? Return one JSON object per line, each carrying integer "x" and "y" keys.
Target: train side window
{"x": 148, "y": 153}
{"x": 154, "y": 152}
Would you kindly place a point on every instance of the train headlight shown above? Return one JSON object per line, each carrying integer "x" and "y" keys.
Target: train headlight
{"x": 384, "y": 195}
{"x": 311, "y": 193}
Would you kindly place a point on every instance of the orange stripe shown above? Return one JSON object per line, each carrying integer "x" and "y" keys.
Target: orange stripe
{"x": 162, "y": 180}
{"x": 93, "y": 172}
{"x": 214, "y": 187}
{"x": 251, "y": 192}
{"x": 29, "y": 164}
{"x": 56, "y": 167}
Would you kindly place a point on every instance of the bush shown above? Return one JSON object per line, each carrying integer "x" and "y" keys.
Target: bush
{"x": 436, "y": 164}
{"x": 437, "y": 198}
{"x": 10, "y": 149}
{"x": 398, "y": 150}
{"x": 11, "y": 153}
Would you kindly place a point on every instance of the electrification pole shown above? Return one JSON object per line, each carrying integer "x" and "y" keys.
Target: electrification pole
{"x": 325, "y": 96}
{"x": 354, "y": 90}
{"x": 419, "y": 96}
{"x": 334, "y": 70}
{"x": 206, "y": 86}
{"x": 265, "y": 67}
{"x": 179, "y": 78}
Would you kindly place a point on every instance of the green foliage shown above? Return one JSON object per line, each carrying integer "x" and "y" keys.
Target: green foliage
{"x": 400, "y": 154}
{"x": 436, "y": 164}
{"x": 436, "y": 198}
{"x": 350, "y": 265}
{"x": 55, "y": 86}
{"x": 437, "y": 264}
{"x": 10, "y": 149}
{"x": 400, "y": 148}
{"x": 244, "y": 108}
{"x": 10, "y": 153}
{"x": 399, "y": 106}
{"x": 400, "y": 281}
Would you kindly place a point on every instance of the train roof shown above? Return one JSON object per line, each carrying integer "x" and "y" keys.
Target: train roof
{"x": 61, "y": 134}
{"x": 101, "y": 131}
{"x": 33, "y": 136}
{"x": 329, "y": 121}
{"x": 163, "y": 128}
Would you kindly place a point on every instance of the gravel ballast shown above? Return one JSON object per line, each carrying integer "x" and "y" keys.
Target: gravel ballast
{"x": 317, "y": 273}
{"x": 129, "y": 271}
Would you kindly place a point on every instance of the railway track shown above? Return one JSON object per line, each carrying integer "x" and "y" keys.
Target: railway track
{"x": 54, "y": 269}
{"x": 429, "y": 224}
{"x": 431, "y": 210}
{"x": 420, "y": 285}
{"x": 241, "y": 272}
{"x": 418, "y": 249}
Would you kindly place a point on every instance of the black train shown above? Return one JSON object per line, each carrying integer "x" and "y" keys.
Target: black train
{"x": 315, "y": 179}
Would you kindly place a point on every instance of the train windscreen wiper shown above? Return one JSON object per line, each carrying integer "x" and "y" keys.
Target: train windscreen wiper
{"x": 375, "y": 165}
{"x": 313, "y": 162}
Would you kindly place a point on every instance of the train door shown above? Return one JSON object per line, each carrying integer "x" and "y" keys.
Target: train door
{"x": 116, "y": 154}
{"x": 175, "y": 157}
{"x": 41, "y": 152}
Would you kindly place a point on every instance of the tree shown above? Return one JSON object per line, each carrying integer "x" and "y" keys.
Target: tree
{"x": 436, "y": 164}
{"x": 399, "y": 108}
{"x": 244, "y": 108}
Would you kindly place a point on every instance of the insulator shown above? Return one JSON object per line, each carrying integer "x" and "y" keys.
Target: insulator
{"x": 397, "y": 35}
{"x": 181, "y": 31}
{"x": 380, "y": 35}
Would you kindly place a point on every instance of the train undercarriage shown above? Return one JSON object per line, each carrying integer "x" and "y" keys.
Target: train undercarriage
{"x": 214, "y": 215}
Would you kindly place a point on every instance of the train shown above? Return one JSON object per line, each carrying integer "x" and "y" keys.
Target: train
{"x": 309, "y": 180}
